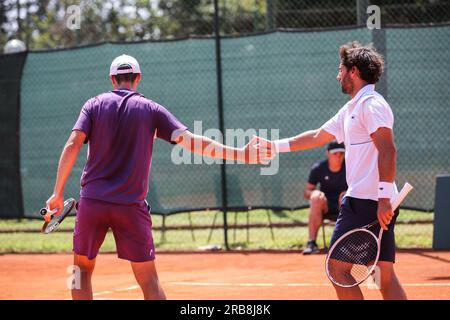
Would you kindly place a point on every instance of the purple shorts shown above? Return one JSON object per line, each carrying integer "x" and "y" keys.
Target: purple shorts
{"x": 130, "y": 224}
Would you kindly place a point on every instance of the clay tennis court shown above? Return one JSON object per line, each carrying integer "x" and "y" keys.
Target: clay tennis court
{"x": 425, "y": 275}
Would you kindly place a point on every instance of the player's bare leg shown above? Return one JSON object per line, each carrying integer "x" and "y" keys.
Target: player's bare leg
{"x": 390, "y": 286}
{"x": 147, "y": 278}
{"x": 353, "y": 293}
{"x": 318, "y": 206}
{"x": 84, "y": 292}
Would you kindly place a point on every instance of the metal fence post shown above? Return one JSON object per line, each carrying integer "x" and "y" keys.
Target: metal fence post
{"x": 270, "y": 15}
{"x": 221, "y": 122}
{"x": 361, "y": 11}
{"x": 379, "y": 41}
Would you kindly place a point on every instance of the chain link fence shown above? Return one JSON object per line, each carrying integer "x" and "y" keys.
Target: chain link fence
{"x": 279, "y": 61}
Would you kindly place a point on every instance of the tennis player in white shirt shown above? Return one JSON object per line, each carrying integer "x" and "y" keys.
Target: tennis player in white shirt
{"x": 365, "y": 125}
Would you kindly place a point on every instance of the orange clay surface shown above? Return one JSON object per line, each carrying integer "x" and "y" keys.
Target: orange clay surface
{"x": 424, "y": 274}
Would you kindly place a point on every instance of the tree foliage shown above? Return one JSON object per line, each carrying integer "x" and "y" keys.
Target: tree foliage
{"x": 42, "y": 24}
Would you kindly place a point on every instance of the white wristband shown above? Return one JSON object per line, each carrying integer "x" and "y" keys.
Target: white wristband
{"x": 282, "y": 145}
{"x": 385, "y": 190}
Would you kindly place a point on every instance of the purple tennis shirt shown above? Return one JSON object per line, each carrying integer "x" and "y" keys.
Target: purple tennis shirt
{"x": 120, "y": 126}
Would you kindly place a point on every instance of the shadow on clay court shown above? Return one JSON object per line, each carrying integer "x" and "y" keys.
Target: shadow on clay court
{"x": 430, "y": 256}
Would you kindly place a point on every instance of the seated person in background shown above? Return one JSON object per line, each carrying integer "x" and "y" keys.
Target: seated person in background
{"x": 325, "y": 203}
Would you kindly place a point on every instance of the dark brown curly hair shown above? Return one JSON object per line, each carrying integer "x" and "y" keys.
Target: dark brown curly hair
{"x": 366, "y": 59}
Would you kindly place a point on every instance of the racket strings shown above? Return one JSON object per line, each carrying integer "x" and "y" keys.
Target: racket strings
{"x": 352, "y": 258}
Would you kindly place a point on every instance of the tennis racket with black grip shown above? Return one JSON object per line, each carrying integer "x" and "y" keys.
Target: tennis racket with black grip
{"x": 55, "y": 222}
{"x": 354, "y": 256}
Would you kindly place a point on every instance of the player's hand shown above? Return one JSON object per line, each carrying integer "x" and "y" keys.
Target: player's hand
{"x": 258, "y": 151}
{"x": 317, "y": 194}
{"x": 54, "y": 202}
{"x": 266, "y": 150}
{"x": 384, "y": 213}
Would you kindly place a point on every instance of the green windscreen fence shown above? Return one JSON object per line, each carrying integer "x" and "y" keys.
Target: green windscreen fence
{"x": 11, "y": 66}
{"x": 180, "y": 75}
{"x": 277, "y": 84}
{"x": 287, "y": 82}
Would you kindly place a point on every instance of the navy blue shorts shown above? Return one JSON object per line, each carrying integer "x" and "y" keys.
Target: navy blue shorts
{"x": 333, "y": 210}
{"x": 356, "y": 213}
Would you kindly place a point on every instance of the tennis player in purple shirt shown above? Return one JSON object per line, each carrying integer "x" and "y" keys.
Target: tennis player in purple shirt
{"x": 119, "y": 127}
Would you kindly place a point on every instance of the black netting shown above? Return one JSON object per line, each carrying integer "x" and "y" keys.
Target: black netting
{"x": 11, "y": 66}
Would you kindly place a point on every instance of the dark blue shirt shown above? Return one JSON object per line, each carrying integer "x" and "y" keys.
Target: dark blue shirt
{"x": 331, "y": 183}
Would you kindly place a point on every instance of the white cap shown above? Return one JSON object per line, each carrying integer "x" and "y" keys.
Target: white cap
{"x": 127, "y": 64}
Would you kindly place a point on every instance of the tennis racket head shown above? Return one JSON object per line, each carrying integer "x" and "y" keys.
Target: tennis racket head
{"x": 54, "y": 223}
{"x": 353, "y": 258}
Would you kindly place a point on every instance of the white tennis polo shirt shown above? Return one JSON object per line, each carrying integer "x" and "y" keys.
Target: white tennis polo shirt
{"x": 353, "y": 124}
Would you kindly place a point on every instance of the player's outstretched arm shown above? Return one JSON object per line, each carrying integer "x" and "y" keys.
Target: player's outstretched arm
{"x": 66, "y": 162}
{"x": 306, "y": 140}
{"x": 257, "y": 150}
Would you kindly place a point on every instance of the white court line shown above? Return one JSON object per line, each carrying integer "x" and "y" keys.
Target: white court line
{"x": 426, "y": 284}
{"x": 111, "y": 299}
{"x": 230, "y": 284}
{"x": 101, "y": 293}
{"x": 127, "y": 289}
{"x": 222, "y": 284}
{"x": 225, "y": 284}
